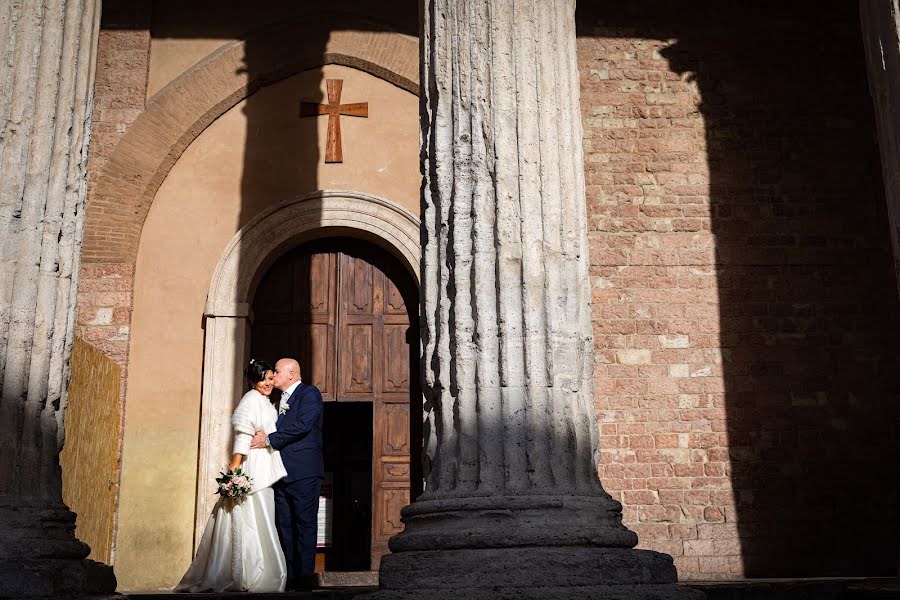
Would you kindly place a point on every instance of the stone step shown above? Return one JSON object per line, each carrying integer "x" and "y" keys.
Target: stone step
{"x": 332, "y": 593}
{"x": 887, "y": 588}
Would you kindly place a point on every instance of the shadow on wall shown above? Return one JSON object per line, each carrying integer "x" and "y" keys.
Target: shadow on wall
{"x": 269, "y": 60}
{"x": 808, "y": 309}
{"x": 272, "y": 54}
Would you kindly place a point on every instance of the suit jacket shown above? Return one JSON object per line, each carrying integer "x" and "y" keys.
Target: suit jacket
{"x": 298, "y": 434}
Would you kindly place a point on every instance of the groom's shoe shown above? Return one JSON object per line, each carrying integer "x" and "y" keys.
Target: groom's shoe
{"x": 302, "y": 584}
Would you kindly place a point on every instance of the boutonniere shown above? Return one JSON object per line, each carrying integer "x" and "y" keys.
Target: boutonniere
{"x": 283, "y": 409}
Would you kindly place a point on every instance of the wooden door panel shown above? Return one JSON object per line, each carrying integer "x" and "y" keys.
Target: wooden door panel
{"x": 395, "y": 424}
{"x": 339, "y": 309}
{"x": 358, "y": 355}
{"x": 319, "y": 357}
{"x": 295, "y": 312}
{"x": 391, "y": 503}
{"x": 358, "y": 280}
{"x": 395, "y": 369}
{"x": 390, "y": 473}
{"x": 393, "y": 299}
{"x": 395, "y": 473}
{"x": 275, "y": 295}
{"x": 316, "y": 273}
{"x": 269, "y": 339}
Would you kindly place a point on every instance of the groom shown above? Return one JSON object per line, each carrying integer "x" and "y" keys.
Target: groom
{"x": 298, "y": 437}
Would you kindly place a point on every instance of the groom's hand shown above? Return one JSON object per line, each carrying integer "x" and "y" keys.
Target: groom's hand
{"x": 259, "y": 440}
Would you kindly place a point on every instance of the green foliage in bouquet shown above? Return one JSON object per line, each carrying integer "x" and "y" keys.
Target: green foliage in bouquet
{"x": 233, "y": 484}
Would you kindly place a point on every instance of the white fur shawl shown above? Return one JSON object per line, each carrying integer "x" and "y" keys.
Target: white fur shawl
{"x": 255, "y": 413}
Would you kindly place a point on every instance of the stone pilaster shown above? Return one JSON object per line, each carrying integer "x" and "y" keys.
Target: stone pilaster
{"x": 46, "y": 87}
{"x": 513, "y": 506}
{"x": 880, "y": 21}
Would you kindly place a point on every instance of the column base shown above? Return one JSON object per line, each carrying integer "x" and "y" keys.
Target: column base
{"x": 531, "y": 573}
{"x": 513, "y": 522}
{"x": 40, "y": 556}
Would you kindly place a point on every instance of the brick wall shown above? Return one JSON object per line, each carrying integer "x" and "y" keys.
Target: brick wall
{"x": 745, "y": 306}
{"x": 123, "y": 58}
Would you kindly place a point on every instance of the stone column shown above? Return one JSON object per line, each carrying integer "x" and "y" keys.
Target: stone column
{"x": 46, "y": 88}
{"x": 880, "y": 20}
{"x": 513, "y": 506}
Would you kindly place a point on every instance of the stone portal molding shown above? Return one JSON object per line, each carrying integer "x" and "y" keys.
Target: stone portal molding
{"x": 227, "y": 316}
{"x": 179, "y": 112}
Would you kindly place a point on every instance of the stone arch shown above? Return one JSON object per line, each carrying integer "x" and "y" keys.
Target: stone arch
{"x": 249, "y": 253}
{"x": 121, "y": 198}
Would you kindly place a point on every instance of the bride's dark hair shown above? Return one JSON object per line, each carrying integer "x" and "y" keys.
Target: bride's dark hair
{"x": 256, "y": 370}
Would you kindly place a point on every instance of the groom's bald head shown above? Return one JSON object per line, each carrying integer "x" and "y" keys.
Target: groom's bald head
{"x": 287, "y": 372}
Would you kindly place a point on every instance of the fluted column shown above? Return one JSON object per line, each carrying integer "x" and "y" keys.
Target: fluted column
{"x": 880, "y": 22}
{"x": 46, "y": 87}
{"x": 512, "y": 503}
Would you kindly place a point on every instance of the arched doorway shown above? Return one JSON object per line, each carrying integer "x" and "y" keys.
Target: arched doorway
{"x": 348, "y": 311}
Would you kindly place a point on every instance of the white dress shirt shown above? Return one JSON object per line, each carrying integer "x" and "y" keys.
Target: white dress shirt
{"x": 286, "y": 394}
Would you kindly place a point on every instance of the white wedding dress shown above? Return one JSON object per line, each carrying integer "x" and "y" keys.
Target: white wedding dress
{"x": 240, "y": 550}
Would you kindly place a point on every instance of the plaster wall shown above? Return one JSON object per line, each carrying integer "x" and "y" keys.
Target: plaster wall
{"x": 170, "y": 57}
{"x": 258, "y": 154}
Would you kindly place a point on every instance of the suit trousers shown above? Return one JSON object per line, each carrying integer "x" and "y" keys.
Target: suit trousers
{"x": 296, "y": 516}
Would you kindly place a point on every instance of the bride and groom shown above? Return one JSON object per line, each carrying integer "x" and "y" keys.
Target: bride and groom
{"x": 266, "y": 540}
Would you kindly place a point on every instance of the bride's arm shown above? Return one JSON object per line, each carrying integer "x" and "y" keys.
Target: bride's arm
{"x": 236, "y": 461}
{"x": 243, "y": 422}
{"x": 241, "y": 449}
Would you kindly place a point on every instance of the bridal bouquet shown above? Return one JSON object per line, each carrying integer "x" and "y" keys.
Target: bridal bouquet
{"x": 233, "y": 484}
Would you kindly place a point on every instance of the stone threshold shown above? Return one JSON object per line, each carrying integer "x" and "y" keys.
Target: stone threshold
{"x": 332, "y": 593}
{"x": 814, "y": 588}
{"x": 822, "y": 588}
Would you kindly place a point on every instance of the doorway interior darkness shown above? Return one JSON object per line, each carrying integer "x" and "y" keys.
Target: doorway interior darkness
{"x": 348, "y": 311}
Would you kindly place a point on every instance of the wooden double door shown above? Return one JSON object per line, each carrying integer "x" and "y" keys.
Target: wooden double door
{"x": 347, "y": 311}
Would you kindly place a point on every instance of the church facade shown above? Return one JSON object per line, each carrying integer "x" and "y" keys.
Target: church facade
{"x": 675, "y": 221}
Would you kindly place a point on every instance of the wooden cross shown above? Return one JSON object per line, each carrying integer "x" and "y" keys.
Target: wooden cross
{"x": 334, "y": 109}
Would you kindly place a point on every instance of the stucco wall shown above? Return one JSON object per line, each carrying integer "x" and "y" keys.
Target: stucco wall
{"x": 90, "y": 456}
{"x": 258, "y": 154}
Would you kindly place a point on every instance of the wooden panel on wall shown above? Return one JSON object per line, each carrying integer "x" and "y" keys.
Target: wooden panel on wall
{"x": 89, "y": 460}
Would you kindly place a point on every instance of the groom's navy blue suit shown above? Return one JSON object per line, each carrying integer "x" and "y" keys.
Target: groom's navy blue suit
{"x": 299, "y": 439}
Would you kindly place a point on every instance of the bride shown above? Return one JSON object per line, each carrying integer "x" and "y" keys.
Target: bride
{"x": 240, "y": 550}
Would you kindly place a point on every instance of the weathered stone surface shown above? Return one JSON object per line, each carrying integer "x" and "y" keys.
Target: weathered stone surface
{"x": 46, "y": 83}
{"x": 881, "y": 36}
{"x": 515, "y": 568}
{"x": 513, "y": 506}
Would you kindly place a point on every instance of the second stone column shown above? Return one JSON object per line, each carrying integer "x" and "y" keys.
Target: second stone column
{"x": 513, "y": 506}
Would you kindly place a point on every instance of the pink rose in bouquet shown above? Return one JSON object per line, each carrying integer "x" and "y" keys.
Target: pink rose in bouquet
{"x": 233, "y": 484}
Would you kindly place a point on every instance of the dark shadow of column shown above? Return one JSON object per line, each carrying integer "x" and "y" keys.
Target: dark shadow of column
{"x": 280, "y": 163}
{"x": 808, "y": 310}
